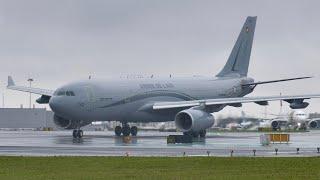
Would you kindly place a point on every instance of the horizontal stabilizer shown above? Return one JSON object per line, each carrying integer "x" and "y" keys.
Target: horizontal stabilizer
{"x": 275, "y": 81}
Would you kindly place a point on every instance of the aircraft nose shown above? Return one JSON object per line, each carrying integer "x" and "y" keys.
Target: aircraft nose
{"x": 55, "y": 104}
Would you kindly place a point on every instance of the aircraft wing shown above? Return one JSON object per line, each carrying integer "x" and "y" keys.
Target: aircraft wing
{"x": 11, "y": 85}
{"x": 263, "y": 100}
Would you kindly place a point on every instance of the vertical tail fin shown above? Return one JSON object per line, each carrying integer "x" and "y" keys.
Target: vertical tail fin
{"x": 10, "y": 81}
{"x": 238, "y": 61}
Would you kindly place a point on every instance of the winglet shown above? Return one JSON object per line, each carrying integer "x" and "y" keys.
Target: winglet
{"x": 10, "y": 81}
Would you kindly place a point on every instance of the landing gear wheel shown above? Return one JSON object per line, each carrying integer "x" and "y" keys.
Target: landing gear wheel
{"x": 195, "y": 134}
{"x": 126, "y": 130}
{"x": 74, "y": 133}
{"x": 203, "y": 133}
{"x": 188, "y": 133}
{"x": 80, "y": 133}
{"x": 118, "y": 130}
{"x": 134, "y": 130}
{"x": 77, "y": 133}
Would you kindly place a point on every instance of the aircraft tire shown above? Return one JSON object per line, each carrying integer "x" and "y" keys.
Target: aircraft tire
{"x": 203, "y": 133}
{"x": 74, "y": 133}
{"x": 188, "y": 133}
{"x": 134, "y": 130}
{"x": 80, "y": 133}
{"x": 118, "y": 131}
{"x": 126, "y": 130}
{"x": 77, "y": 133}
{"x": 195, "y": 134}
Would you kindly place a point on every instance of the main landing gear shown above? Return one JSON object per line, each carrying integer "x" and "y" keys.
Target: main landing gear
{"x": 196, "y": 134}
{"x": 126, "y": 130}
{"x": 77, "y": 133}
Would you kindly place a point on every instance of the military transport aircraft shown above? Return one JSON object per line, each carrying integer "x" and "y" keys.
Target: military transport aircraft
{"x": 190, "y": 102}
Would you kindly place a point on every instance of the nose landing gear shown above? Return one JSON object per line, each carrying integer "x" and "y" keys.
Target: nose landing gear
{"x": 126, "y": 130}
{"x": 77, "y": 133}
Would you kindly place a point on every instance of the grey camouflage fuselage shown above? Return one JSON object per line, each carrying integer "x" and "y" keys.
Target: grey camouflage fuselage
{"x": 127, "y": 100}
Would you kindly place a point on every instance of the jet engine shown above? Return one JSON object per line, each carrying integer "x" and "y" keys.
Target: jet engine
{"x": 275, "y": 124}
{"x": 314, "y": 124}
{"x": 298, "y": 105}
{"x": 193, "y": 120}
{"x": 67, "y": 123}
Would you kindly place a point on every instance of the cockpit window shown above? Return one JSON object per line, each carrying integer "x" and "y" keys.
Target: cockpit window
{"x": 70, "y": 93}
{"x": 61, "y": 93}
{"x": 64, "y": 93}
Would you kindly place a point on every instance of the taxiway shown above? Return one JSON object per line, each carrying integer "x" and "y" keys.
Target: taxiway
{"x": 104, "y": 143}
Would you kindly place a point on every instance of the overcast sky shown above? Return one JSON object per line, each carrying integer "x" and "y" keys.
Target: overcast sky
{"x": 56, "y": 42}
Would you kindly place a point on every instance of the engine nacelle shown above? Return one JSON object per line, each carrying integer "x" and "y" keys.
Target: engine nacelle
{"x": 314, "y": 124}
{"x": 67, "y": 123}
{"x": 275, "y": 124}
{"x": 300, "y": 105}
{"x": 193, "y": 120}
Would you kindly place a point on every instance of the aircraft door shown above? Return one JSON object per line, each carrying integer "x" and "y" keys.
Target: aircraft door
{"x": 88, "y": 99}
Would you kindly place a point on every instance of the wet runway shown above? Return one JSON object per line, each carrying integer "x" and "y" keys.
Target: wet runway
{"x": 61, "y": 143}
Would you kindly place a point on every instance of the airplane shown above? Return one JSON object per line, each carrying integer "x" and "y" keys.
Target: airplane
{"x": 245, "y": 124}
{"x": 233, "y": 126}
{"x": 189, "y": 102}
{"x": 234, "y": 123}
{"x": 298, "y": 119}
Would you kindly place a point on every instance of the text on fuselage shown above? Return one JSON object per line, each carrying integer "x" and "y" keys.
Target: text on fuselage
{"x": 156, "y": 86}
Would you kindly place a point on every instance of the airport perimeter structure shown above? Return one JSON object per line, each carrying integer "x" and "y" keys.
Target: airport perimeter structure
{"x": 26, "y": 118}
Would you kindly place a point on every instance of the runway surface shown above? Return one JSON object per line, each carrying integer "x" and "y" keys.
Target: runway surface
{"x": 61, "y": 143}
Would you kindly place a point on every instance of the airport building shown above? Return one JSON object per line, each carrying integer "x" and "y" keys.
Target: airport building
{"x": 26, "y": 118}
{"x": 42, "y": 119}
